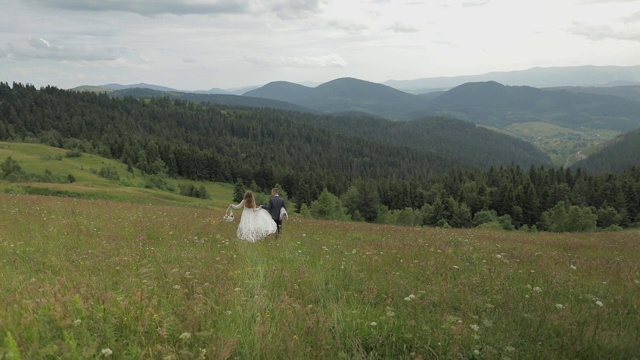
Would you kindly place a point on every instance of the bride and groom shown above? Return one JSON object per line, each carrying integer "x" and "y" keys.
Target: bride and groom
{"x": 258, "y": 222}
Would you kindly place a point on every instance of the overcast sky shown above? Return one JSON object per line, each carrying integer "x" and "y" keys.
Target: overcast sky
{"x": 204, "y": 44}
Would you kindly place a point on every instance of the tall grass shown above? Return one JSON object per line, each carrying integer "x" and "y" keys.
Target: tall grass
{"x": 95, "y": 279}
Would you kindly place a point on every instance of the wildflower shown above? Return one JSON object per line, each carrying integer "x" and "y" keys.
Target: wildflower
{"x": 599, "y": 303}
{"x": 185, "y": 336}
{"x": 475, "y": 327}
{"x": 177, "y": 287}
{"x": 510, "y": 349}
{"x": 77, "y": 322}
{"x": 374, "y": 324}
{"x": 560, "y": 306}
{"x": 476, "y": 352}
{"x": 455, "y": 267}
{"x": 106, "y": 352}
{"x": 537, "y": 289}
{"x": 573, "y": 267}
{"x": 407, "y": 299}
{"x": 295, "y": 337}
{"x": 390, "y": 313}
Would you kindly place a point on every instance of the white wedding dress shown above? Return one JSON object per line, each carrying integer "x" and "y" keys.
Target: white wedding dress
{"x": 255, "y": 224}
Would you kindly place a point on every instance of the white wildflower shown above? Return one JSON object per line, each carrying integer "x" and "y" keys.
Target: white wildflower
{"x": 106, "y": 352}
{"x": 185, "y": 336}
{"x": 599, "y": 303}
{"x": 573, "y": 267}
{"x": 374, "y": 324}
{"x": 560, "y": 306}
{"x": 475, "y": 327}
{"x": 177, "y": 287}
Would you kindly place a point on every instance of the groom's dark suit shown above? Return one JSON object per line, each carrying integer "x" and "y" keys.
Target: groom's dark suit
{"x": 276, "y": 203}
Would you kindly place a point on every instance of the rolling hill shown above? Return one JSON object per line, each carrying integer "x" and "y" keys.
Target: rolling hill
{"x": 494, "y": 104}
{"x": 581, "y": 118}
{"x": 468, "y": 144}
{"x": 616, "y": 155}
{"x": 345, "y": 95}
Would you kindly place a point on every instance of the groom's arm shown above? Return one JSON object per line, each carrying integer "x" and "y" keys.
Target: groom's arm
{"x": 269, "y": 205}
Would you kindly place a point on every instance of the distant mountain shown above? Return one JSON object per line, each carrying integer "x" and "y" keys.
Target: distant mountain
{"x": 140, "y": 85}
{"x": 494, "y": 104}
{"x": 486, "y": 103}
{"x": 345, "y": 95}
{"x": 214, "y": 91}
{"x": 219, "y": 99}
{"x": 283, "y": 91}
{"x": 616, "y": 156}
{"x": 629, "y": 92}
{"x": 534, "y": 77}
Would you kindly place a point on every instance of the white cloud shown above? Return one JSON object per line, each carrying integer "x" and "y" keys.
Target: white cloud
{"x": 403, "y": 28}
{"x": 323, "y": 61}
{"x": 601, "y": 32}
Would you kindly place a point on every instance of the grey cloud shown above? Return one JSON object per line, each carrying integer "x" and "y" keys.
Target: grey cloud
{"x": 289, "y": 9}
{"x": 282, "y": 8}
{"x": 150, "y": 8}
{"x": 42, "y": 49}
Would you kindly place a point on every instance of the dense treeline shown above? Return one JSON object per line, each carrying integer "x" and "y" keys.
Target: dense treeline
{"x": 472, "y": 145}
{"x": 463, "y": 141}
{"x": 208, "y": 142}
{"x": 326, "y": 174}
{"x": 507, "y": 197}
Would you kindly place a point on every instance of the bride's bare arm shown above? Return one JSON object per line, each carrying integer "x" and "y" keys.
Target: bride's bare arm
{"x": 239, "y": 206}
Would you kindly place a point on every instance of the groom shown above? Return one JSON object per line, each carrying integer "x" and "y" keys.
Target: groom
{"x": 276, "y": 203}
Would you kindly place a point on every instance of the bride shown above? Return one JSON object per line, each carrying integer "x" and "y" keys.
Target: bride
{"x": 255, "y": 223}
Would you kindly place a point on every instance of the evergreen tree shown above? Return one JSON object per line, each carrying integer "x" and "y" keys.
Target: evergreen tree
{"x": 238, "y": 191}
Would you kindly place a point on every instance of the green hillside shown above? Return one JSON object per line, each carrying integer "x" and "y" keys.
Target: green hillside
{"x": 616, "y": 155}
{"x": 131, "y": 186}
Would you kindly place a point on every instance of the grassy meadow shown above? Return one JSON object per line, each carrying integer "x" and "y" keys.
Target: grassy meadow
{"x": 93, "y": 279}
